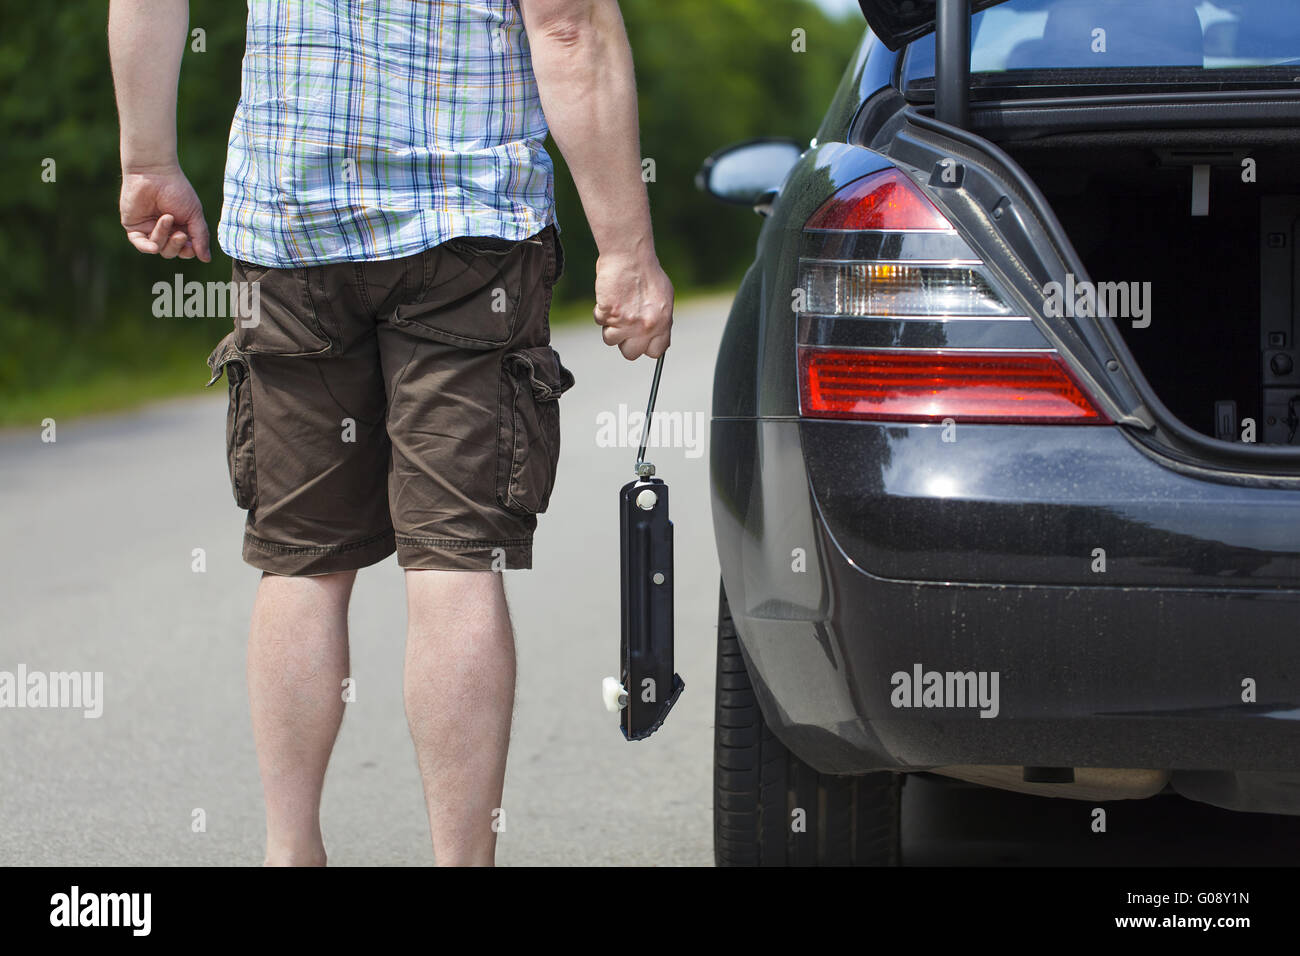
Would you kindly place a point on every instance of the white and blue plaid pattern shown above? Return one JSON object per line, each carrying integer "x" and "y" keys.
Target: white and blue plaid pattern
{"x": 375, "y": 129}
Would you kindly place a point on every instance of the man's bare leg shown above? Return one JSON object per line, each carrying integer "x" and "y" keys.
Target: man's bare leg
{"x": 297, "y": 661}
{"x": 460, "y": 689}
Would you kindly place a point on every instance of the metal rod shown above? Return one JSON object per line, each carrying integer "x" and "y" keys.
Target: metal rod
{"x": 650, "y": 410}
{"x": 952, "y": 63}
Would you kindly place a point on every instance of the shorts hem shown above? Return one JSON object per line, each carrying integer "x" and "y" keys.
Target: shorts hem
{"x": 416, "y": 553}
{"x": 293, "y": 560}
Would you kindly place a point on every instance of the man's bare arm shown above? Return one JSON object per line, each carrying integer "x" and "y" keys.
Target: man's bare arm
{"x": 583, "y": 65}
{"x": 160, "y": 211}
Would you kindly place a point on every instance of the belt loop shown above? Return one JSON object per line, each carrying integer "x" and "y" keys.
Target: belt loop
{"x": 427, "y": 261}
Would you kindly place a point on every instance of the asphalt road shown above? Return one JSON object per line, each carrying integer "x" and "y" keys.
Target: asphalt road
{"x": 96, "y": 574}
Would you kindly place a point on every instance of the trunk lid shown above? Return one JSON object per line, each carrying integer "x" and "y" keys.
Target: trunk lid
{"x": 898, "y": 22}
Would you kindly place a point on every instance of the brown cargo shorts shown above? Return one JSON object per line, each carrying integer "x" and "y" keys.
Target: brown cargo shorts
{"x": 407, "y": 405}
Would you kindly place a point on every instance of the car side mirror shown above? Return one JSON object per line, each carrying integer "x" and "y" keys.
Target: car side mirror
{"x": 748, "y": 173}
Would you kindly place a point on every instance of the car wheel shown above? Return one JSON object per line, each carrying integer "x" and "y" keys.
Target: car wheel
{"x": 759, "y": 787}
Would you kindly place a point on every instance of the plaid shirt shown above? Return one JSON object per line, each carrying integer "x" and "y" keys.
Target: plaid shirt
{"x": 375, "y": 129}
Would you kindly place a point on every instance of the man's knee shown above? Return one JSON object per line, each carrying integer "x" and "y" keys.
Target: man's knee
{"x": 333, "y": 588}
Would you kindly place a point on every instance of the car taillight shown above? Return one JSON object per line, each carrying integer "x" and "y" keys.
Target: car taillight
{"x": 932, "y": 384}
{"x": 900, "y": 320}
{"x": 884, "y": 200}
{"x": 885, "y": 289}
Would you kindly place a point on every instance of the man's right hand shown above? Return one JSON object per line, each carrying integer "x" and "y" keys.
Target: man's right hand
{"x": 634, "y": 304}
{"x": 587, "y": 86}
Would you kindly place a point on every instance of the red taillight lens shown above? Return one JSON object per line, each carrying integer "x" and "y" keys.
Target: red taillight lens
{"x": 884, "y": 200}
{"x": 893, "y": 301}
{"x": 932, "y": 385}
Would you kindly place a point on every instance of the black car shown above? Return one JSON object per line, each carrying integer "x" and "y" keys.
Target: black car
{"x": 1006, "y": 424}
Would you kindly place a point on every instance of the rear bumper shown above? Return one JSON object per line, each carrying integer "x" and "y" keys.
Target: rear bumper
{"x": 1087, "y": 675}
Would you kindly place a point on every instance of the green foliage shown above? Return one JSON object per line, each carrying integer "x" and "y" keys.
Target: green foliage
{"x": 75, "y": 298}
{"x": 73, "y": 293}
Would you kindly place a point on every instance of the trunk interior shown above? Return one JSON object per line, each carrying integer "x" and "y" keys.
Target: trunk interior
{"x": 1221, "y": 303}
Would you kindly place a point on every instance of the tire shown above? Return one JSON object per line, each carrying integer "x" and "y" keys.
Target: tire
{"x": 758, "y": 784}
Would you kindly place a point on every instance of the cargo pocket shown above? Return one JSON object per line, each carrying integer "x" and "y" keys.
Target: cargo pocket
{"x": 227, "y": 358}
{"x": 532, "y": 382}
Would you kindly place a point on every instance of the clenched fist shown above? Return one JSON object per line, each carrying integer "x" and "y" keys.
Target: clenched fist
{"x": 162, "y": 215}
{"x": 634, "y": 304}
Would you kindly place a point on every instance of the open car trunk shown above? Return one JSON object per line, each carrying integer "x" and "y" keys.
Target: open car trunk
{"x": 1190, "y": 335}
{"x": 1122, "y": 135}
{"x": 1211, "y": 312}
